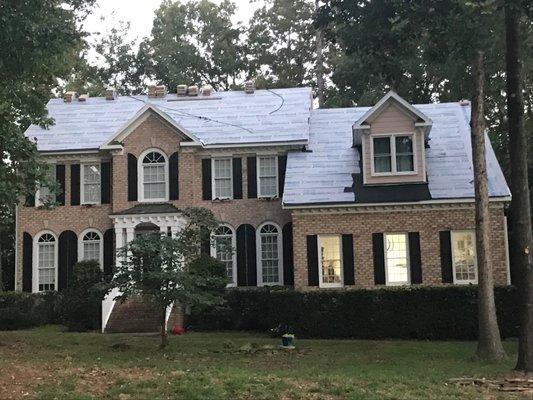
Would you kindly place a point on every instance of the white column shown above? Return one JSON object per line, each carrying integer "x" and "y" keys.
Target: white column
{"x": 130, "y": 234}
{"x": 163, "y": 229}
{"x": 174, "y": 230}
{"x": 119, "y": 242}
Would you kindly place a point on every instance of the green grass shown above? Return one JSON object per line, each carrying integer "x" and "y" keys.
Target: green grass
{"x": 47, "y": 363}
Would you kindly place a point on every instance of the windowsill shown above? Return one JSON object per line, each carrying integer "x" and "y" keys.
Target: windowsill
{"x": 268, "y": 198}
{"x": 390, "y": 174}
{"x": 331, "y": 286}
{"x": 152, "y": 200}
{"x": 222, "y": 200}
{"x": 465, "y": 283}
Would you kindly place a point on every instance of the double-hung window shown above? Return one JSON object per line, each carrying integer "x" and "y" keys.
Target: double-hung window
{"x": 396, "y": 259}
{"x": 223, "y": 250}
{"x": 393, "y": 154}
{"x": 46, "y": 262}
{"x": 222, "y": 178}
{"x": 154, "y": 177}
{"x": 44, "y": 194}
{"x": 269, "y": 252}
{"x": 91, "y": 186}
{"x": 91, "y": 247}
{"x": 330, "y": 259}
{"x": 267, "y": 176}
{"x": 464, "y": 258}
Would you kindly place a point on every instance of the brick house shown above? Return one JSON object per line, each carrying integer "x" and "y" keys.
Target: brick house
{"x": 310, "y": 198}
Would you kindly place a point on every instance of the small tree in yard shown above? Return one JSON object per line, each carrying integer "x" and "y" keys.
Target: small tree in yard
{"x": 164, "y": 269}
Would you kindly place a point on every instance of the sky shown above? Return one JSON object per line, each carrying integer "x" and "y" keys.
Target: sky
{"x": 140, "y": 14}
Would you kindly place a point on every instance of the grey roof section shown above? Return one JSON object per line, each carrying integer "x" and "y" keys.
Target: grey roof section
{"x": 233, "y": 117}
{"x": 321, "y": 176}
{"x": 149, "y": 208}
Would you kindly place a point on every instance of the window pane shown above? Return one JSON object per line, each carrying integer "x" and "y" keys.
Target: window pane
{"x": 404, "y": 144}
{"x": 405, "y": 163}
{"x": 382, "y": 164}
{"x": 269, "y": 258}
{"x": 154, "y": 181}
{"x": 268, "y": 186}
{"x": 44, "y": 194}
{"x": 382, "y": 146}
{"x": 330, "y": 259}
{"x": 91, "y": 251}
{"x": 224, "y": 253}
{"x": 396, "y": 258}
{"x": 46, "y": 266}
{"x": 464, "y": 256}
{"x": 223, "y": 168}
{"x": 223, "y": 188}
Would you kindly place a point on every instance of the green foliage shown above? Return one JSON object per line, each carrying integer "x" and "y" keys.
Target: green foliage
{"x": 434, "y": 313}
{"x": 20, "y": 310}
{"x": 35, "y": 38}
{"x": 80, "y": 304}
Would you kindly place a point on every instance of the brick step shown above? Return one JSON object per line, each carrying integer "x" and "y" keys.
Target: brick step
{"x": 136, "y": 315}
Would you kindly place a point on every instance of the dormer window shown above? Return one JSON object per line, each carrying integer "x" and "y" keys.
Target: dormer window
{"x": 393, "y": 154}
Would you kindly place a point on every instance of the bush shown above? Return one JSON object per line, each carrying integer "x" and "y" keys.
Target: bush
{"x": 433, "y": 313}
{"x": 19, "y": 310}
{"x": 80, "y": 305}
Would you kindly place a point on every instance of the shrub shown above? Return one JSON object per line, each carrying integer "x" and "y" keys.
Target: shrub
{"x": 433, "y": 313}
{"x": 80, "y": 304}
{"x": 19, "y": 310}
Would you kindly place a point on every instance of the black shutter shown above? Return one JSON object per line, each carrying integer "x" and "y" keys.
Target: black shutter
{"x": 60, "y": 178}
{"x": 173, "y": 175}
{"x": 446, "y": 256}
{"x": 67, "y": 257}
{"x": 105, "y": 182}
{"x": 378, "y": 250}
{"x": 30, "y": 200}
{"x": 251, "y": 166}
{"x": 348, "y": 260}
{"x": 205, "y": 246}
{"x": 132, "y": 177}
{"x": 312, "y": 260}
{"x": 288, "y": 260}
{"x": 75, "y": 185}
{"x": 282, "y": 166}
{"x": 27, "y": 262}
{"x": 246, "y": 256}
{"x": 237, "y": 178}
{"x": 109, "y": 253}
{"x": 206, "y": 179}
{"x": 414, "y": 257}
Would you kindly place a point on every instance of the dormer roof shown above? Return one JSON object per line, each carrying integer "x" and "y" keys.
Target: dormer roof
{"x": 362, "y": 125}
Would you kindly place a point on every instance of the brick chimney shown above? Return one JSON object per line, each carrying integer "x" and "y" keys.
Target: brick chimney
{"x": 192, "y": 90}
{"x": 111, "y": 93}
{"x": 207, "y": 90}
{"x": 83, "y": 97}
{"x": 157, "y": 91}
{"x": 69, "y": 96}
{"x": 181, "y": 90}
{"x": 249, "y": 87}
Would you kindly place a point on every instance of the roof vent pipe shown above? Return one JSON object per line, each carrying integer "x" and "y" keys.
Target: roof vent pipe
{"x": 181, "y": 90}
{"x": 111, "y": 93}
{"x": 249, "y": 87}
{"x": 69, "y": 96}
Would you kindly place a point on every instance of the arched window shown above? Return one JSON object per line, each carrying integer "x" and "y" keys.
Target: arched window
{"x": 223, "y": 249}
{"x": 153, "y": 175}
{"x": 269, "y": 265}
{"x": 91, "y": 246}
{"x": 46, "y": 250}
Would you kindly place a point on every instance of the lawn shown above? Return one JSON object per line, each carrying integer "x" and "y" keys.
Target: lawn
{"x": 47, "y": 363}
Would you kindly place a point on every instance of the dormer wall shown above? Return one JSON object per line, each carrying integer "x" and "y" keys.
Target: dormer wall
{"x": 397, "y": 125}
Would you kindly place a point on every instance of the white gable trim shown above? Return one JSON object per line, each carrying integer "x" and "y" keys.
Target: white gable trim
{"x": 362, "y": 126}
{"x": 138, "y": 119}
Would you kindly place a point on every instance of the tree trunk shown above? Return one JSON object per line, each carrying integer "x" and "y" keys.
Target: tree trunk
{"x": 520, "y": 204}
{"x": 489, "y": 342}
{"x": 319, "y": 64}
{"x": 164, "y": 336}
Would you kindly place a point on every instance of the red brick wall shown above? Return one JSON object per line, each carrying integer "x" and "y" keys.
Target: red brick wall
{"x": 427, "y": 221}
{"x": 152, "y": 133}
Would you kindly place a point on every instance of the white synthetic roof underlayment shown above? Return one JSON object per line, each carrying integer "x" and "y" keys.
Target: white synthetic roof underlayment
{"x": 320, "y": 176}
{"x": 285, "y": 116}
{"x": 279, "y": 115}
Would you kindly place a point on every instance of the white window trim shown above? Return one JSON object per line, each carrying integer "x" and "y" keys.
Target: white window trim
{"x": 462, "y": 281}
{"x": 213, "y": 192}
{"x": 80, "y": 246}
{"x": 259, "y": 261}
{"x": 258, "y": 177}
{"x": 82, "y": 183}
{"x": 392, "y": 138}
{"x": 38, "y": 202}
{"x": 408, "y": 256}
{"x": 320, "y": 276}
{"x": 140, "y": 176}
{"x": 35, "y": 266}
{"x": 233, "y": 283}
